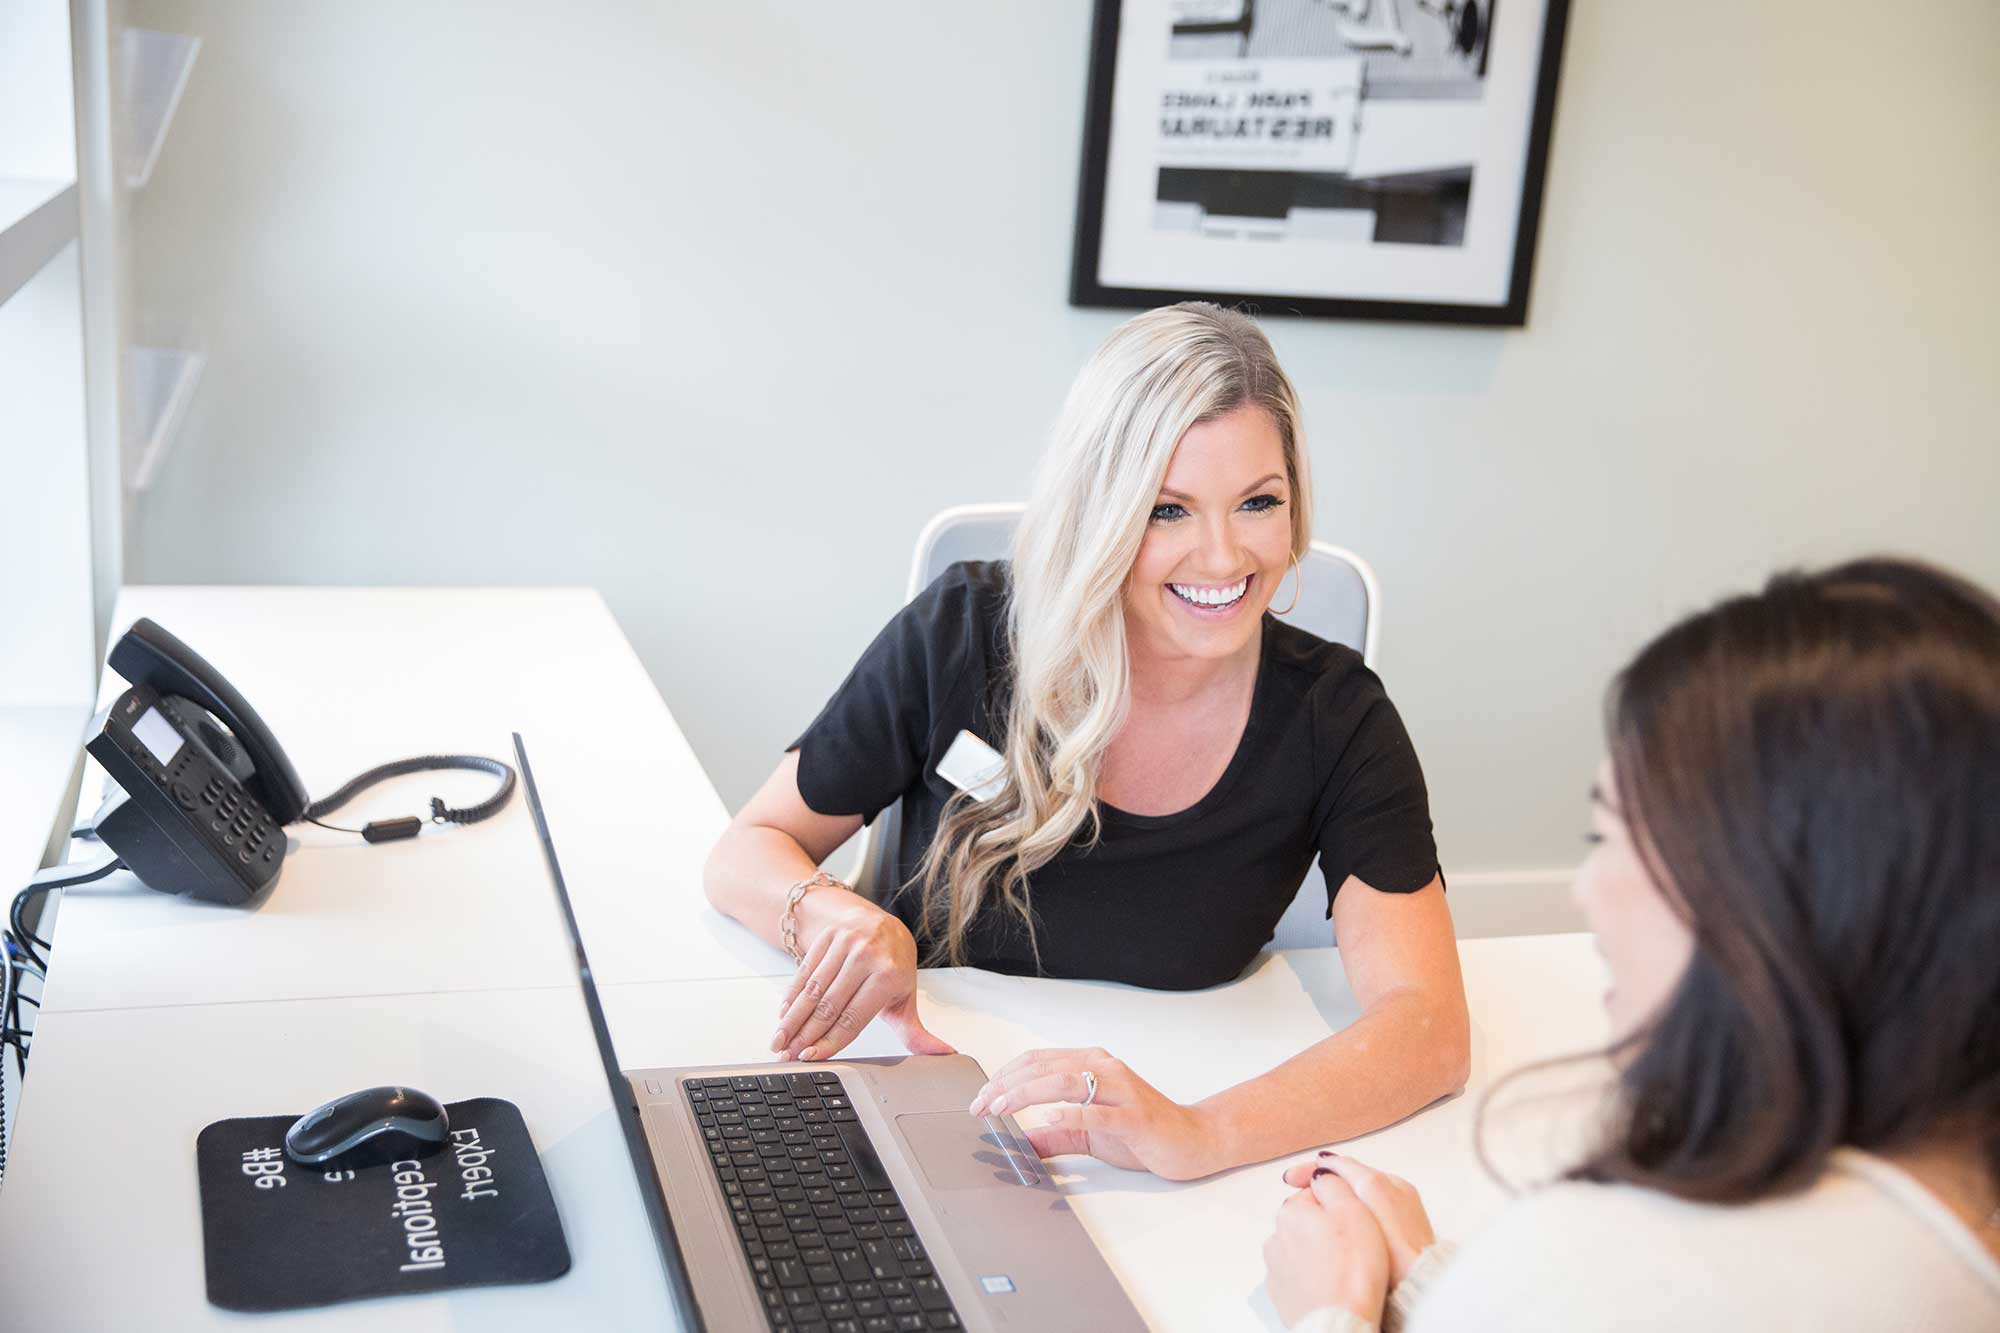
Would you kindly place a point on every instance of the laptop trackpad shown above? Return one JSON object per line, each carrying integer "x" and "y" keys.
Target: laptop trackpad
{"x": 956, "y": 1151}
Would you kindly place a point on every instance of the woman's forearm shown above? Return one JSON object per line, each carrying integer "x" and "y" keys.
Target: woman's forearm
{"x": 1410, "y": 1048}
{"x": 749, "y": 873}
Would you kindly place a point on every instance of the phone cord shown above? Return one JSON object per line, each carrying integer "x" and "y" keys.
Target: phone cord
{"x": 427, "y": 763}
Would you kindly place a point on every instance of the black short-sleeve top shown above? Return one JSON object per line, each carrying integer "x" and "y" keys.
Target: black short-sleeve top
{"x": 1176, "y": 901}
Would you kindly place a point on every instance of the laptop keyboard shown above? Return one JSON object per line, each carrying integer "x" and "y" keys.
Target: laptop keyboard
{"x": 829, "y": 1245}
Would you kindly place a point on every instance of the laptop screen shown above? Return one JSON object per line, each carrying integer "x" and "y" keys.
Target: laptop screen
{"x": 650, "y": 1189}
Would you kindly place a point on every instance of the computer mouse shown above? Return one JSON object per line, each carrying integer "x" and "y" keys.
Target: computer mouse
{"x": 367, "y": 1128}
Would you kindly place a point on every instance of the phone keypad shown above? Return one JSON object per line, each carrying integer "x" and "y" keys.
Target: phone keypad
{"x": 222, "y": 812}
{"x": 237, "y": 819}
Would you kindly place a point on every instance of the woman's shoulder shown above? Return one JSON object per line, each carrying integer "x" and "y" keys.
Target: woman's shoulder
{"x": 959, "y": 620}
{"x": 1342, "y": 707}
{"x": 1315, "y": 664}
{"x": 1345, "y": 700}
{"x": 1854, "y": 1197}
{"x": 1577, "y": 1253}
{"x": 979, "y": 584}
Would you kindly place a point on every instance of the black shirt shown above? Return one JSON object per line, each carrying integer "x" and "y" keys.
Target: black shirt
{"x": 1175, "y": 901}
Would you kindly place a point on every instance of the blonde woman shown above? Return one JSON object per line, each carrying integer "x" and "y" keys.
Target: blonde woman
{"x": 1174, "y": 759}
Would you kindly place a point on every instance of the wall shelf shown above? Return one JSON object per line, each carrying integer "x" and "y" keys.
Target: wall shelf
{"x": 163, "y": 381}
{"x": 153, "y": 73}
{"x": 37, "y": 219}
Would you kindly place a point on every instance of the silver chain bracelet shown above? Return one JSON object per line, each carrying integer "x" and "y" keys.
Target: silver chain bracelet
{"x": 788, "y": 924}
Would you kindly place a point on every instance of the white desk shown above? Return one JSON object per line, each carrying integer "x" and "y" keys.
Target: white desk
{"x": 164, "y": 1015}
{"x": 1190, "y": 1255}
{"x": 100, "y": 1219}
{"x": 349, "y": 678}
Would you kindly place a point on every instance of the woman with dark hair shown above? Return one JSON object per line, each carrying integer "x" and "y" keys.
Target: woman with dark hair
{"x": 1795, "y": 882}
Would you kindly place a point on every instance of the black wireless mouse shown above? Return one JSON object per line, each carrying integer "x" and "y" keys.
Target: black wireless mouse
{"x": 368, "y": 1128}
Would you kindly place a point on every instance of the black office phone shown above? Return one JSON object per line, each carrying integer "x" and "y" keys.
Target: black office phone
{"x": 203, "y": 789}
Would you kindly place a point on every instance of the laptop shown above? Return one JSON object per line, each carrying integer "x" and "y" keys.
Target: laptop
{"x": 845, "y": 1196}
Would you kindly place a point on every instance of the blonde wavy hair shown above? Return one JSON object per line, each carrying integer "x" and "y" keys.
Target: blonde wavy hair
{"x": 1154, "y": 378}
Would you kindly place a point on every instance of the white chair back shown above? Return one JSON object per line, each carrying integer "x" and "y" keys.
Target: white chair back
{"x": 1341, "y": 603}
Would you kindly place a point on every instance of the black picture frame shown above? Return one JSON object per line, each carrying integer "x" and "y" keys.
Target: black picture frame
{"x": 1086, "y": 291}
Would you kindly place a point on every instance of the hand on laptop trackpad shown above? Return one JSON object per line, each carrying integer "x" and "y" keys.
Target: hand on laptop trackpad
{"x": 956, "y": 1151}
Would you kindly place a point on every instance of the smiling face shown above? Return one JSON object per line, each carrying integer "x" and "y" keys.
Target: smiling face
{"x": 1644, "y": 941}
{"x": 1218, "y": 541}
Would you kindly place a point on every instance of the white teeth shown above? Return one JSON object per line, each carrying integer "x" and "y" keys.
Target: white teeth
{"x": 1210, "y": 596}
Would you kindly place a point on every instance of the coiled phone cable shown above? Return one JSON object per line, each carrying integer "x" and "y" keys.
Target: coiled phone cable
{"x": 386, "y": 830}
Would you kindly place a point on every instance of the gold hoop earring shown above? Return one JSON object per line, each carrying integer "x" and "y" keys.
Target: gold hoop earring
{"x": 1298, "y": 586}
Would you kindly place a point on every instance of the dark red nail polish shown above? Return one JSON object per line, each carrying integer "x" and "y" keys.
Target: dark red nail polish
{"x": 1319, "y": 1171}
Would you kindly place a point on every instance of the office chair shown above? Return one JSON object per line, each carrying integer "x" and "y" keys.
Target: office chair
{"x": 1341, "y": 603}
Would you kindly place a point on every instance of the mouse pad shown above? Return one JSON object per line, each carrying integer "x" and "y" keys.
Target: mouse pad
{"x": 279, "y": 1236}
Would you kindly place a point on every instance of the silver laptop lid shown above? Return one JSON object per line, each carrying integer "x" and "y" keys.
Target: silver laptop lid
{"x": 672, "y": 1262}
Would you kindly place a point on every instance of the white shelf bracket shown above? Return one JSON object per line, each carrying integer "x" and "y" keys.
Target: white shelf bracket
{"x": 163, "y": 381}
{"x": 153, "y": 72}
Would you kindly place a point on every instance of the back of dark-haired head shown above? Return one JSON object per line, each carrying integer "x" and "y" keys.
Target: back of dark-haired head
{"x": 1813, "y": 776}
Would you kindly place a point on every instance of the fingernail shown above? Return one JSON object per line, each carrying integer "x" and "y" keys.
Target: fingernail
{"x": 1319, "y": 1171}
{"x": 778, "y": 1040}
{"x": 809, "y": 1053}
{"x": 1323, "y": 1152}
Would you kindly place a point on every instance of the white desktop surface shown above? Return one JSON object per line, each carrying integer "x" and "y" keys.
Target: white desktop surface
{"x": 442, "y": 962}
{"x": 100, "y": 1218}
{"x": 350, "y": 678}
{"x": 466, "y": 909}
{"x": 105, "y": 1165}
{"x": 1190, "y": 1255}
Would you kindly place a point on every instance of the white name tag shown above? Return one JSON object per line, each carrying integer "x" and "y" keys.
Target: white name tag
{"x": 973, "y": 766}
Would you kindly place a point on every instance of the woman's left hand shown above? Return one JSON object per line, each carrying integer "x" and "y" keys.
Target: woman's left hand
{"x": 1129, "y": 1123}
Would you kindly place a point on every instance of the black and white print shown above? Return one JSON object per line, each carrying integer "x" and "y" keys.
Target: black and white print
{"x": 1366, "y": 157}
{"x": 1322, "y": 121}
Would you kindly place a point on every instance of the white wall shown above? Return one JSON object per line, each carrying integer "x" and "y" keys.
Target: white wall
{"x": 711, "y": 305}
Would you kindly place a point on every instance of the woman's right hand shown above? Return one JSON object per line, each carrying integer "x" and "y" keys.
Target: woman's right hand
{"x": 860, "y": 962}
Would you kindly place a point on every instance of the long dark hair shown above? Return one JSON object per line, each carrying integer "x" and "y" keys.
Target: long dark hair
{"x": 1812, "y": 775}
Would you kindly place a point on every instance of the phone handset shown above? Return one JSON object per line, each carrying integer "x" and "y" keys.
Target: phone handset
{"x": 148, "y": 655}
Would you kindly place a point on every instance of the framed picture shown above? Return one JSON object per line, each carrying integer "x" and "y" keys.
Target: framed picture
{"x": 1374, "y": 159}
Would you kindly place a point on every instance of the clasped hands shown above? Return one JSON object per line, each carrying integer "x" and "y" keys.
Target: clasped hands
{"x": 1346, "y": 1238}
{"x": 860, "y": 963}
